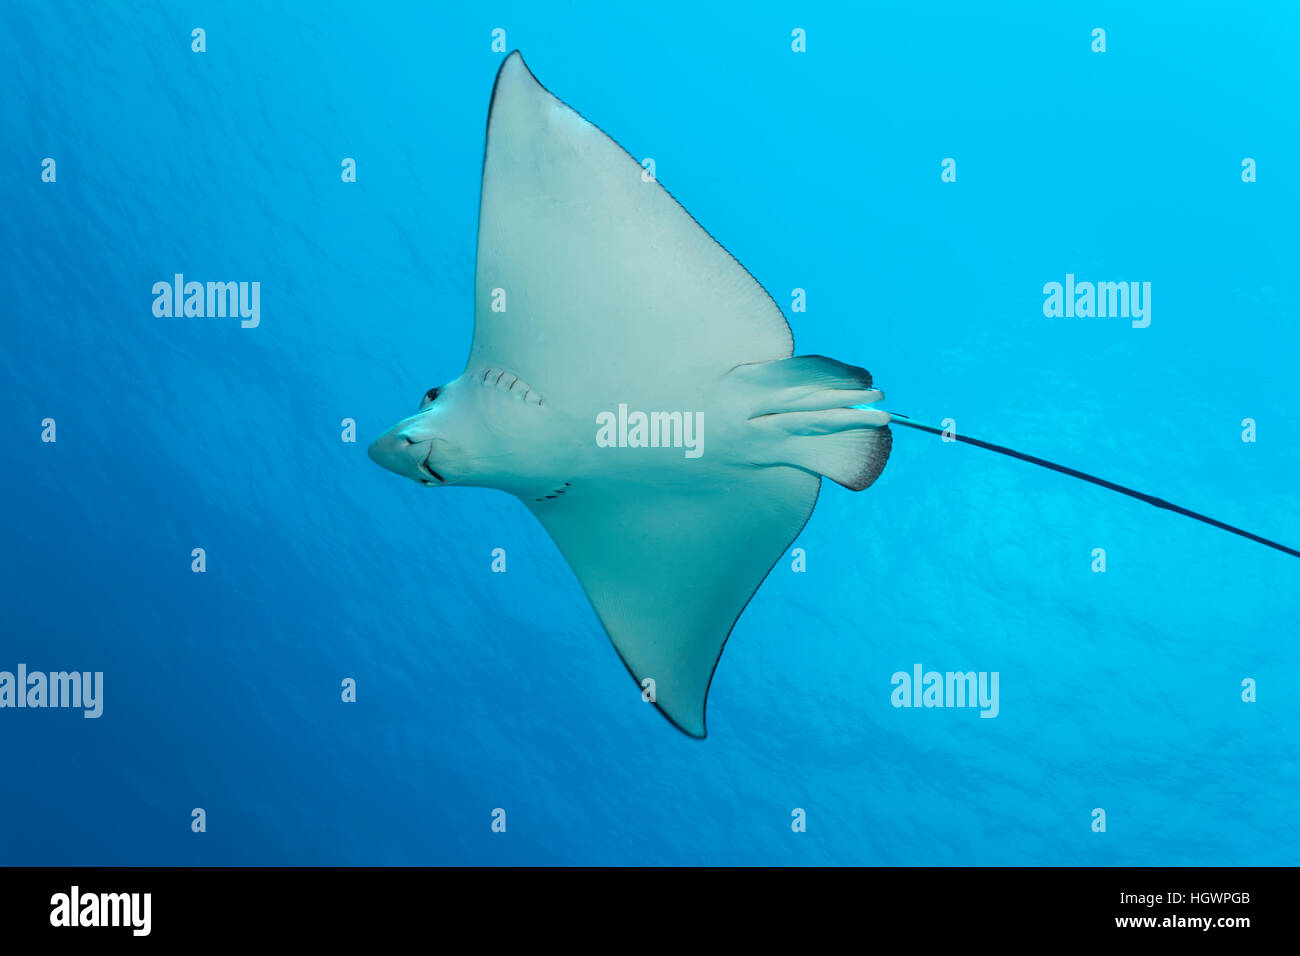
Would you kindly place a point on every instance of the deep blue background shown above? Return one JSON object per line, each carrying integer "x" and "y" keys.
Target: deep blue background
{"x": 478, "y": 690}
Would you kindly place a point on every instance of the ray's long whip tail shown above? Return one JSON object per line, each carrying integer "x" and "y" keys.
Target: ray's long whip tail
{"x": 899, "y": 419}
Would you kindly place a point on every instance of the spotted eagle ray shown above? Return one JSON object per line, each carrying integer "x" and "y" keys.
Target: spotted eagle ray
{"x": 638, "y": 390}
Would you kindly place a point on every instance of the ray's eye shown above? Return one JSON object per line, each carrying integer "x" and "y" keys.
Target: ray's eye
{"x": 429, "y": 397}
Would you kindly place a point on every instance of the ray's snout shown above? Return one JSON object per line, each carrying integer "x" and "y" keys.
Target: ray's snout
{"x": 405, "y": 456}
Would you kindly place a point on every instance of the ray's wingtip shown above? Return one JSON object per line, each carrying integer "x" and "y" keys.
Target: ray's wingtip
{"x": 516, "y": 56}
{"x": 695, "y": 730}
{"x": 512, "y": 64}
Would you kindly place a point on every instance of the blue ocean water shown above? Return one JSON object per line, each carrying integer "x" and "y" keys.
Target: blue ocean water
{"x": 820, "y": 170}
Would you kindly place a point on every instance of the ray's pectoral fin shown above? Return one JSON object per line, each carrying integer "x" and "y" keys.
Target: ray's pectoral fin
{"x": 615, "y": 281}
{"x": 668, "y": 575}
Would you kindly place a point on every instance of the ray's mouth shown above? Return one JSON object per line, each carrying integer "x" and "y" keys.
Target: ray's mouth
{"x": 427, "y": 469}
